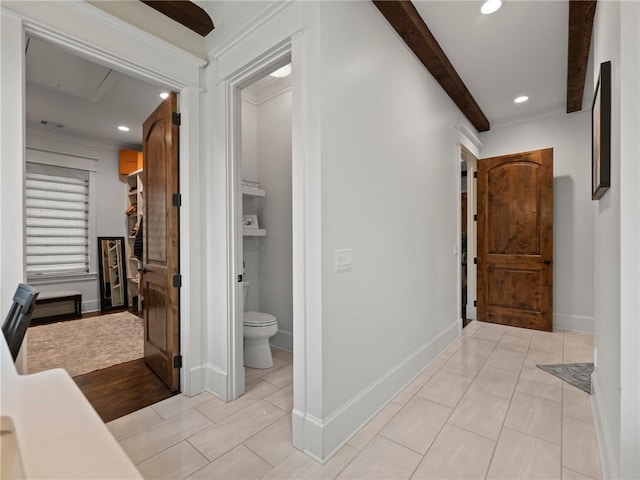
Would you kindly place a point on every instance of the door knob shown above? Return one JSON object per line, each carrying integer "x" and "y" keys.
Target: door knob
{"x": 142, "y": 270}
{"x": 547, "y": 262}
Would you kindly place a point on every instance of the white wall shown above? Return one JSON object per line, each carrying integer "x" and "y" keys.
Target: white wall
{"x": 375, "y": 169}
{"x": 109, "y": 203}
{"x": 629, "y": 233}
{"x": 616, "y": 380}
{"x": 606, "y": 46}
{"x": 570, "y": 138}
{"x": 275, "y": 250}
{"x": 390, "y": 176}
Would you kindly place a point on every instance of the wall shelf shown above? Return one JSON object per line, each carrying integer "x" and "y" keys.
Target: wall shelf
{"x": 255, "y": 192}
{"x": 254, "y": 232}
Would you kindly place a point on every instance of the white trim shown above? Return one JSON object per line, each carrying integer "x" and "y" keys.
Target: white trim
{"x": 469, "y": 138}
{"x": 59, "y": 159}
{"x": 603, "y": 431}
{"x": 345, "y": 422}
{"x": 90, "y": 306}
{"x": 574, "y": 323}
{"x": 255, "y": 100}
{"x": 232, "y": 88}
{"x": 249, "y": 28}
{"x": 100, "y": 35}
{"x": 283, "y": 340}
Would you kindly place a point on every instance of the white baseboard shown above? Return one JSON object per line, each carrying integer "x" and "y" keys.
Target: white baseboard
{"x": 211, "y": 378}
{"x": 325, "y": 437}
{"x": 575, "y": 323}
{"x": 283, "y": 340}
{"x": 90, "y": 306}
{"x": 603, "y": 432}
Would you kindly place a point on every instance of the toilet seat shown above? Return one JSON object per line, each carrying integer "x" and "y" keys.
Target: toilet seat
{"x": 258, "y": 319}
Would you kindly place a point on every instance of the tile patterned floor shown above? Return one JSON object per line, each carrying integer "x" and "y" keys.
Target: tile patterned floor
{"x": 480, "y": 410}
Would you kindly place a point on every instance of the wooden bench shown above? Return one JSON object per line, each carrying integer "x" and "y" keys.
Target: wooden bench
{"x": 54, "y": 306}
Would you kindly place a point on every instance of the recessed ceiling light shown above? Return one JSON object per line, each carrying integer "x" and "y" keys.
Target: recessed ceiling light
{"x": 521, "y": 99}
{"x": 282, "y": 72}
{"x": 122, "y": 128}
{"x": 491, "y": 6}
{"x": 164, "y": 95}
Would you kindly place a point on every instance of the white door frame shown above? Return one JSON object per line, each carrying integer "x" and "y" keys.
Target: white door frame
{"x": 233, "y": 90}
{"x": 468, "y": 139}
{"x": 306, "y": 197}
{"x": 89, "y": 32}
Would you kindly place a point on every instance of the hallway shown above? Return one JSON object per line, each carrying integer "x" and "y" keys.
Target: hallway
{"x": 480, "y": 410}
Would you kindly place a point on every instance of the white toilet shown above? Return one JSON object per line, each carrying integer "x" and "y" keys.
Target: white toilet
{"x": 258, "y": 327}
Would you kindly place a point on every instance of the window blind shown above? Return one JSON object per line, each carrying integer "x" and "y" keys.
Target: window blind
{"x": 57, "y": 220}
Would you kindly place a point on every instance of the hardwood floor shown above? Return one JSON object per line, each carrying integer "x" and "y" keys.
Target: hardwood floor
{"x": 122, "y": 389}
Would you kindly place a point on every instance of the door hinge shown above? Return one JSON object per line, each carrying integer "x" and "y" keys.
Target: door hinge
{"x": 475, "y": 260}
{"x": 475, "y": 218}
{"x": 475, "y": 174}
{"x": 475, "y": 303}
{"x": 239, "y": 278}
{"x": 177, "y": 361}
{"x": 176, "y": 118}
{"x": 177, "y": 281}
{"x": 176, "y": 200}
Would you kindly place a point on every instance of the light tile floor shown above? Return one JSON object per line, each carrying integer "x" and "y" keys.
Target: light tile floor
{"x": 480, "y": 410}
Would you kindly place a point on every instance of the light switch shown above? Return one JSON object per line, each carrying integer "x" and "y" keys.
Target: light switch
{"x": 343, "y": 260}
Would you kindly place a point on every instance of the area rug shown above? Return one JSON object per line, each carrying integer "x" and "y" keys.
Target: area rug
{"x": 84, "y": 345}
{"x": 577, "y": 374}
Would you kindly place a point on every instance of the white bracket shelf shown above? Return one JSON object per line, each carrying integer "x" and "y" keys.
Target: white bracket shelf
{"x": 254, "y": 232}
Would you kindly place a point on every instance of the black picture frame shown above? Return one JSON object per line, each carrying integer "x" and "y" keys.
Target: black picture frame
{"x": 601, "y": 134}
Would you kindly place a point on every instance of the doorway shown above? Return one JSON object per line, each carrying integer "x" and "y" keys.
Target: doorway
{"x": 468, "y": 235}
{"x": 265, "y": 247}
{"x": 64, "y": 93}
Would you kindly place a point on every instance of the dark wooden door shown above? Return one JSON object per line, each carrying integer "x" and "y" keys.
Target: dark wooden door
{"x": 515, "y": 239}
{"x": 161, "y": 247}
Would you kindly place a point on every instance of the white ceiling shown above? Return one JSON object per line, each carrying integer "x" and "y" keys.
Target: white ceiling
{"x": 87, "y": 99}
{"x": 519, "y": 50}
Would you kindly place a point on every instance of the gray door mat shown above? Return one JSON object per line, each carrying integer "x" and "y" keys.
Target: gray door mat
{"x": 577, "y": 374}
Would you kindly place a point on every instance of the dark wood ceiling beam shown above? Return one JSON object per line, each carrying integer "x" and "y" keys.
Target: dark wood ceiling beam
{"x": 185, "y": 13}
{"x": 405, "y": 19}
{"x": 581, "y": 14}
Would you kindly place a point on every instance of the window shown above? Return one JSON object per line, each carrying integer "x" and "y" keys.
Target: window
{"x": 57, "y": 220}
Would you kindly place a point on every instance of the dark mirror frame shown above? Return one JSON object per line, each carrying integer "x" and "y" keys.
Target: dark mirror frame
{"x": 117, "y": 269}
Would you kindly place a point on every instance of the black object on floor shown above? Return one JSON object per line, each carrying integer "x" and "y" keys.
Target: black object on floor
{"x": 577, "y": 374}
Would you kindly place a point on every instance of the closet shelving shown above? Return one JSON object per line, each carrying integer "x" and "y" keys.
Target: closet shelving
{"x": 252, "y": 192}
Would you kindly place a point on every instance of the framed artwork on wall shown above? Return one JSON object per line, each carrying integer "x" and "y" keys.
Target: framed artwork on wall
{"x": 601, "y": 134}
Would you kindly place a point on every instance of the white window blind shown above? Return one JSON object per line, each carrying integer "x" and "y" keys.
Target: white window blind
{"x": 57, "y": 220}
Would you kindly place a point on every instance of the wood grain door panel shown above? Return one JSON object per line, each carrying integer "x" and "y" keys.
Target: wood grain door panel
{"x": 161, "y": 248}
{"x": 515, "y": 239}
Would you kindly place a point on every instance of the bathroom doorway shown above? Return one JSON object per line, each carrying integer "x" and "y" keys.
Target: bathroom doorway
{"x": 265, "y": 180}
{"x": 468, "y": 235}
{"x": 463, "y": 241}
